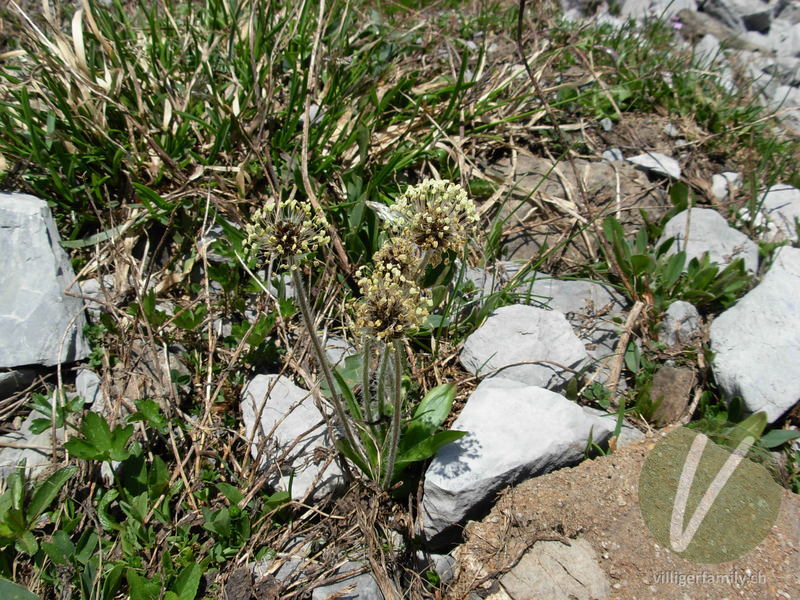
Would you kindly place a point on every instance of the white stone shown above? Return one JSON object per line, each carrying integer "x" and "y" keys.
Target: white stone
{"x": 520, "y": 333}
{"x": 756, "y": 343}
{"x": 337, "y": 349}
{"x": 709, "y": 232}
{"x": 722, "y": 182}
{"x": 14, "y": 380}
{"x": 554, "y": 570}
{"x": 681, "y": 323}
{"x": 658, "y": 163}
{"x": 589, "y": 306}
{"x": 781, "y": 204}
{"x": 514, "y": 431}
{"x": 358, "y": 587}
{"x": 613, "y": 154}
{"x": 289, "y": 413}
{"x": 39, "y": 324}
{"x": 36, "y": 454}
{"x": 707, "y": 51}
{"x": 87, "y": 386}
{"x": 662, "y": 9}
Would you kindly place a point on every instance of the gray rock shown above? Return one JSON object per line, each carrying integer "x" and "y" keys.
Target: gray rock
{"x": 781, "y": 204}
{"x": 556, "y": 571}
{"x": 786, "y": 69}
{"x": 39, "y": 324}
{"x": 36, "y": 451}
{"x": 477, "y": 284}
{"x": 337, "y": 349}
{"x": 14, "y": 380}
{"x": 707, "y": 51}
{"x": 658, "y": 163}
{"x": 756, "y": 344}
{"x": 613, "y": 154}
{"x": 87, "y": 386}
{"x": 96, "y": 294}
{"x": 783, "y": 38}
{"x": 750, "y": 15}
{"x": 671, "y": 130}
{"x": 627, "y": 433}
{"x": 606, "y": 124}
{"x": 663, "y": 9}
{"x": 289, "y": 413}
{"x": 443, "y": 565}
{"x": 709, "y": 232}
{"x": 680, "y": 325}
{"x": 361, "y": 587}
{"x": 281, "y": 569}
{"x": 589, "y": 306}
{"x": 514, "y": 431}
{"x": 721, "y": 183}
{"x": 520, "y": 333}
{"x": 786, "y": 99}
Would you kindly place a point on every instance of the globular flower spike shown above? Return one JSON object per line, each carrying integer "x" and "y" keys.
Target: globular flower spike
{"x": 436, "y": 215}
{"x": 286, "y": 230}
{"x": 401, "y": 254}
{"x": 391, "y": 305}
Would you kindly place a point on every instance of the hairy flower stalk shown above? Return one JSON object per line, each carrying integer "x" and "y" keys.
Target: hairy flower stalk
{"x": 397, "y": 402}
{"x": 308, "y": 319}
{"x": 286, "y": 231}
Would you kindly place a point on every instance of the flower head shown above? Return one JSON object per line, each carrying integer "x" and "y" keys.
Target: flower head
{"x": 286, "y": 229}
{"x": 391, "y": 305}
{"x": 436, "y": 215}
{"x": 399, "y": 253}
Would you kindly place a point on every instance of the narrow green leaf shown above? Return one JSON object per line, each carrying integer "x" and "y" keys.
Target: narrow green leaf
{"x": 435, "y": 406}
{"x": 428, "y": 447}
{"x": 778, "y": 437}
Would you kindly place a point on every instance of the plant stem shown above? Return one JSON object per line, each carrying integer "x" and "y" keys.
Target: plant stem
{"x": 394, "y": 433}
{"x": 366, "y": 395}
{"x": 338, "y": 406}
{"x": 383, "y": 361}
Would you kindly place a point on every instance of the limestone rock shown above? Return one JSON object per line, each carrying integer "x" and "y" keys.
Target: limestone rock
{"x": 497, "y": 417}
{"x": 781, "y": 203}
{"x": 721, "y": 183}
{"x": 553, "y": 570}
{"x": 756, "y": 344}
{"x": 39, "y": 324}
{"x": 357, "y": 587}
{"x": 658, "y": 163}
{"x": 680, "y": 325}
{"x": 36, "y": 455}
{"x": 589, "y": 306}
{"x": 521, "y": 333}
{"x": 337, "y": 349}
{"x": 709, "y": 232}
{"x": 14, "y": 380}
{"x": 289, "y": 413}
